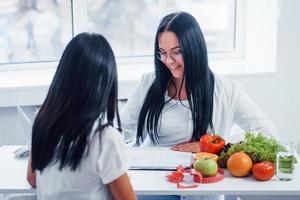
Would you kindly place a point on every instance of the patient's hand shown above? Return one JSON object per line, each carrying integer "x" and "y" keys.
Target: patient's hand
{"x": 187, "y": 147}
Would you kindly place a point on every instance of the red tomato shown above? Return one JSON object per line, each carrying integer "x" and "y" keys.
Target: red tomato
{"x": 263, "y": 171}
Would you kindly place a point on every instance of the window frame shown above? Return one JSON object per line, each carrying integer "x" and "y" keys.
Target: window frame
{"x": 255, "y": 53}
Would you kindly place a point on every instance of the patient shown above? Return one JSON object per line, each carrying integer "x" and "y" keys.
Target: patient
{"x": 76, "y": 152}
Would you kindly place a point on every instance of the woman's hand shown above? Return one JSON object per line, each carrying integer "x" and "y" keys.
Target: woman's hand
{"x": 187, "y": 147}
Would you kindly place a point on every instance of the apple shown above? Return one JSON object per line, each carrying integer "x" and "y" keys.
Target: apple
{"x": 206, "y": 166}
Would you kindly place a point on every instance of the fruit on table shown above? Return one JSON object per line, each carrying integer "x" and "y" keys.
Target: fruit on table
{"x": 197, "y": 156}
{"x": 286, "y": 164}
{"x": 206, "y": 166}
{"x": 239, "y": 164}
{"x": 263, "y": 171}
{"x": 211, "y": 143}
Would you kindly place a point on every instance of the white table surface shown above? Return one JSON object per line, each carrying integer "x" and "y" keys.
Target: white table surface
{"x": 13, "y": 180}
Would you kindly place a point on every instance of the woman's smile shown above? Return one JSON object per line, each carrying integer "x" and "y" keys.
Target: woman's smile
{"x": 170, "y": 54}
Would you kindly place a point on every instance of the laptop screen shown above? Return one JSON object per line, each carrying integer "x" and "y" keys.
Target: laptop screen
{"x": 26, "y": 116}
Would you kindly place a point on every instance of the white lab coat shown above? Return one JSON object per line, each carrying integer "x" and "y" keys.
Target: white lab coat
{"x": 231, "y": 106}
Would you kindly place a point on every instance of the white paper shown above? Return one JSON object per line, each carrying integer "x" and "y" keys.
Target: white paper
{"x": 156, "y": 158}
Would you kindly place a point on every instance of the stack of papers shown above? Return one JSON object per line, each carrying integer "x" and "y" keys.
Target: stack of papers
{"x": 157, "y": 158}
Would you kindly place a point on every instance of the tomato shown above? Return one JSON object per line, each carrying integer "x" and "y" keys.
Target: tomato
{"x": 211, "y": 144}
{"x": 263, "y": 171}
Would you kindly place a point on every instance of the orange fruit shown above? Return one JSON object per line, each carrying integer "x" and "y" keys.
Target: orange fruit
{"x": 239, "y": 164}
{"x": 197, "y": 156}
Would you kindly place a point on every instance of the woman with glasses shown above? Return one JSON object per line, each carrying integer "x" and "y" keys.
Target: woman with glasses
{"x": 184, "y": 99}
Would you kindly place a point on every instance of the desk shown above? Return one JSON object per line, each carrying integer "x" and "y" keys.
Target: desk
{"x": 13, "y": 180}
{"x": 13, "y": 172}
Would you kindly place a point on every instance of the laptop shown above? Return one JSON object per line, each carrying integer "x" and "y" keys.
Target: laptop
{"x": 26, "y": 115}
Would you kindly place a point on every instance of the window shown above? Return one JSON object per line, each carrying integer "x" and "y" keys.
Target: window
{"x": 34, "y": 31}
{"x": 37, "y": 31}
{"x": 241, "y": 35}
{"x": 130, "y": 26}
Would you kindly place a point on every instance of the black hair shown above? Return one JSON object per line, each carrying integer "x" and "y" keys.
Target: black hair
{"x": 199, "y": 79}
{"x": 83, "y": 90}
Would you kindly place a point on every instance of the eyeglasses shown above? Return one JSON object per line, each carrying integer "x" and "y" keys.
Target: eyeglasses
{"x": 174, "y": 54}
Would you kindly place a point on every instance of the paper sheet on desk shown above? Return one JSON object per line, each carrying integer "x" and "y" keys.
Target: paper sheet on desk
{"x": 156, "y": 158}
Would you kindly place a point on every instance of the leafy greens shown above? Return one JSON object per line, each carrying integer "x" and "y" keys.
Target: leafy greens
{"x": 258, "y": 146}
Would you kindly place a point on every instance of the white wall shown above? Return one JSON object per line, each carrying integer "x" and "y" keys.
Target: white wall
{"x": 277, "y": 94}
{"x": 10, "y": 128}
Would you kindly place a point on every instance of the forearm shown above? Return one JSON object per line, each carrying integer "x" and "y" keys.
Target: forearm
{"x": 31, "y": 175}
{"x": 121, "y": 188}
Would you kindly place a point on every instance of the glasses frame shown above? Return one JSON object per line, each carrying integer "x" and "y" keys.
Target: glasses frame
{"x": 176, "y": 56}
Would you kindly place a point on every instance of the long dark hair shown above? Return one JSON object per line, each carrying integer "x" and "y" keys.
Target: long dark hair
{"x": 199, "y": 79}
{"x": 83, "y": 90}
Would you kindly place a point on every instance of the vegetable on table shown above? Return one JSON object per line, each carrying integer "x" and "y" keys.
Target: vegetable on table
{"x": 286, "y": 164}
{"x": 263, "y": 171}
{"x": 259, "y": 147}
{"x": 211, "y": 144}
